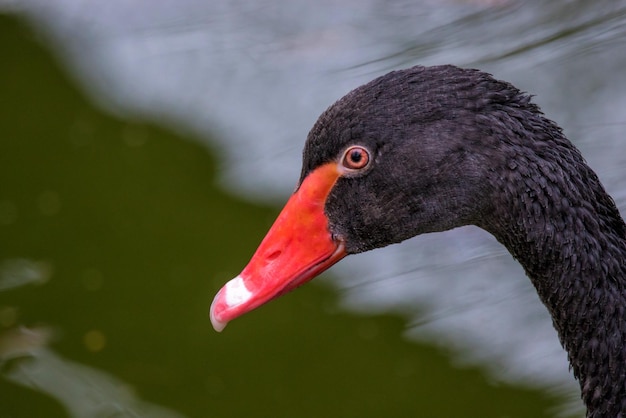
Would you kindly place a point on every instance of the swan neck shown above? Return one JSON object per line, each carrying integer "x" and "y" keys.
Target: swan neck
{"x": 571, "y": 240}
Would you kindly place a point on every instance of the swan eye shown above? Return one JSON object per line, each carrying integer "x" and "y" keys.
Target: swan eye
{"x": 356, "y": 158}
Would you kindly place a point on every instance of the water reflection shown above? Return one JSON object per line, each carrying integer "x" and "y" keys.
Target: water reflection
{"x": 258, "y": 74}
{"x": 85, "y": 392}
{"x": 19, "y": 272}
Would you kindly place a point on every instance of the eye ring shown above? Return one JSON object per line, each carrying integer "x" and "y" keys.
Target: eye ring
{"x": 356, "y": 158}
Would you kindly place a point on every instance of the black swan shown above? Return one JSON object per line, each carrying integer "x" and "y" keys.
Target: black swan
{"x": 432, "y": 148}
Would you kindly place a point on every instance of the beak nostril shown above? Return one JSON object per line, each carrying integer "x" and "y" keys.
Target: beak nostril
{"x": 274, "y": 255}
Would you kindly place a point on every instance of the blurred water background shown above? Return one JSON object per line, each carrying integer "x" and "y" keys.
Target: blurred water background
{"x": 145, "y": 149}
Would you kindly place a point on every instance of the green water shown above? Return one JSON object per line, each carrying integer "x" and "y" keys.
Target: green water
{"x": 133, "y": 237}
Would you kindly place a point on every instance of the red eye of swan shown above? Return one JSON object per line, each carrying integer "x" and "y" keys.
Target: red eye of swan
{"x": 356, "y": 158}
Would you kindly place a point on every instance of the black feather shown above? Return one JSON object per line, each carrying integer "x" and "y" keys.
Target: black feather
{"x": 452, "y": 147}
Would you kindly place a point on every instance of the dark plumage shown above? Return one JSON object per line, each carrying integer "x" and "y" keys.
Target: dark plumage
{"x": 432, "y": 148}
{"x": 453, "y": 147}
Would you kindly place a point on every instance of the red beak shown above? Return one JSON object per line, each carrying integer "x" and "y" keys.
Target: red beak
{"x": 297, "y": 248}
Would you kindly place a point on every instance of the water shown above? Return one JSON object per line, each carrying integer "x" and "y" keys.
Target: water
{"x": 116, "y": 233}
